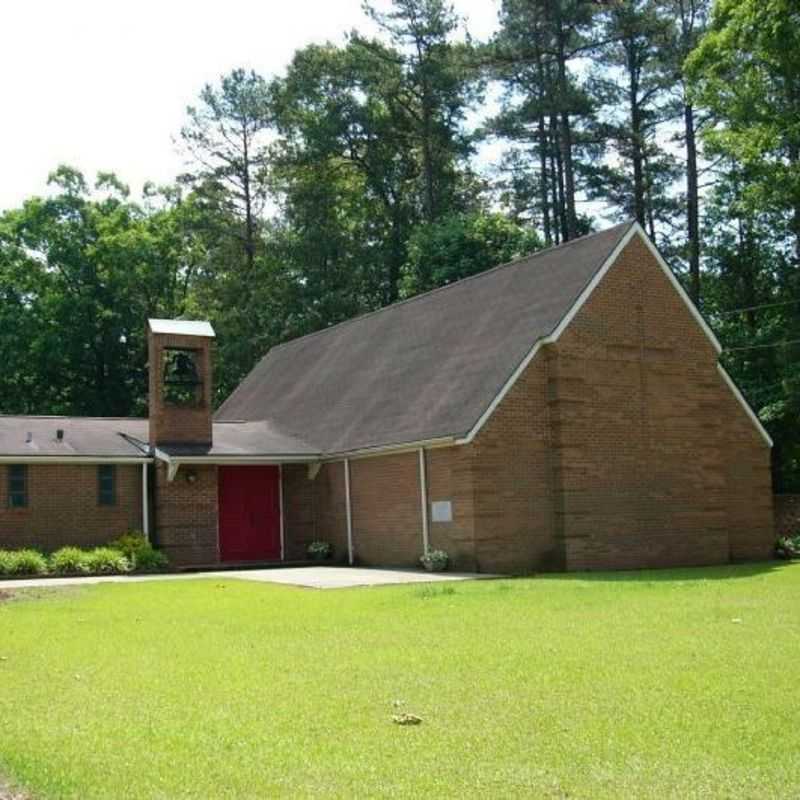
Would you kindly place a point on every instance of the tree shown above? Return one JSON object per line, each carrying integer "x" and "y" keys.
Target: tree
{"x": 546, "y": 105}
{"x": 225, "y": 140}
{"x": 457, "y": 246}
{"x": 81, "y": 272}
{"x": 749, "y": 291}
{"x": 745, "y": 70}
{"x": 687, "y": 20}
{"x": 634, "y": 80}
{"x": 436, "y": 87}
{"x": 344, "y": 163}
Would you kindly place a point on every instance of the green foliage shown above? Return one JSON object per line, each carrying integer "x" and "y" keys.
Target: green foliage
{"x": 788, "y": 547}
{"x": 745, "y": 70}
{"x": 107, "y": 561}
{"x": 80, "y": 271}
{"x": 435, "y": 560}
{"x": 461, "y": 245}
{"x": 69, "y": 561}
{"x": 130, "y": 544}
{"x": 319, "y": 550}
{"x": 141, "y": 554}
{"x": 150, "y": 560}
{"x": 22, "y": 562}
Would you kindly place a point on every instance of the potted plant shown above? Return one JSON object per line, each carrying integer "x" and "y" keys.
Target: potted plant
{"x": 319, "y": 550}
{"x": 435, "y": 560}
{"x": 788, "y": 547}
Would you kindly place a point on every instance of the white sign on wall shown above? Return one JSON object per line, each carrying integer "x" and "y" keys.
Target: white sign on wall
{"x": 441, "y": 511}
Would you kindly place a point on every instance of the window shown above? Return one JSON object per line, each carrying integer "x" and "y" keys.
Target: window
{"x": 107, "y": 485}
{"x": 17, "y": 486}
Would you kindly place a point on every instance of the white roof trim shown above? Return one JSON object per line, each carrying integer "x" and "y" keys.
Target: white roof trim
{"x": 744, "y": 404}
{"x": 635, "y": 229}
{"x": 244, "y": 459}
{"x": 182, "y": 327}
{"x": 399, "y": 447}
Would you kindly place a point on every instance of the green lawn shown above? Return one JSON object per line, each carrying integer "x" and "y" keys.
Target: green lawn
{"x": 631, "y": 685}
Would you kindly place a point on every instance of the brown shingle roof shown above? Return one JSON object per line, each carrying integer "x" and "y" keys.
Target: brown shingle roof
{"x": 424, "y": 368}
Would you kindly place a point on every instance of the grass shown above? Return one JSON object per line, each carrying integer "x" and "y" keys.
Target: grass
{"x": 679, "y": 684}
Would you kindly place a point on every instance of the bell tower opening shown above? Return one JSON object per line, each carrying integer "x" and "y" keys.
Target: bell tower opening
{"x": 182, "y": 383}
{"x": 179, "y": 360}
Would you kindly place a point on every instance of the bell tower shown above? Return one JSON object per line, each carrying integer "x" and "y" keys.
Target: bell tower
{"x": 179, "y": 362}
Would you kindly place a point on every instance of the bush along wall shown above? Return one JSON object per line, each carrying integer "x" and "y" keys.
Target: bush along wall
{"x": 129, "y": 553}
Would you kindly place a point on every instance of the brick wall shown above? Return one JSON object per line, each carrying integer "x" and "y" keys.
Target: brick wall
{"x": 63, "y": 508}
{"x": 177, "y": 424}
{"x": 330, "y": 504}
{"x": 513, "y": 472}
{"x": 620, "y": 446}
{"x": 450, "y": 476}
{"x": 656, "y": 463}
{"x": 299, "y": 511}
{"x": 186, "y": 515}
{"x": 387, "y": 525}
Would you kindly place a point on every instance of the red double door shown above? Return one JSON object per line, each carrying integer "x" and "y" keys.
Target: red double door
{"x": 249, "y": 513}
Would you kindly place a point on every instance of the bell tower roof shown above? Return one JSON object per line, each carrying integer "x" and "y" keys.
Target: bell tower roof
{"x": 182, "y": 327}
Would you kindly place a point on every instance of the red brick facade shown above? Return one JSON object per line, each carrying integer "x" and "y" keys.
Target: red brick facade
{"x": 178, "y": 424}
{"x": 620, "y": 445}
{"x": 63, "y": 507}
{"x": 186, "y": 515}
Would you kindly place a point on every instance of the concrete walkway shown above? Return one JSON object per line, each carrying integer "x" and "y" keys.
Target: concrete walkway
{"x": 311, "y": 577}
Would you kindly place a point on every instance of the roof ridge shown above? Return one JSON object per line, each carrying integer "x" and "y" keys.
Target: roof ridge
{"x": 430, "y": 292}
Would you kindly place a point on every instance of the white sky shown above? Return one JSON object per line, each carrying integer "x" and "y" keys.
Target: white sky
{"x": 104, "y": 85}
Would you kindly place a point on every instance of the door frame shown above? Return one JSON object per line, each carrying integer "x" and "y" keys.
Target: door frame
{"x": 281, "y": 529}
{"x": 280, "y": 509}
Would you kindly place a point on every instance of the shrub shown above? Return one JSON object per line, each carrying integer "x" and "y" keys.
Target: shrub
{"x": 142, "y": 556}
{"x": 435, "y": 560}
{"x": 150, "y": 560}
{"x": 788, "y": 547}
{"x": 319, "y": 550}
{"x": 129, "y": 544}
{"x": 24, "y": 562}
{"x": 6, "y": 562}
{"x": 69, "y": 560}
{"x": 107, "y": 561}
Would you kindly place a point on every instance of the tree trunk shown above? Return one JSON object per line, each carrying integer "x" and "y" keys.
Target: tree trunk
{"x": 563, "y": 212}
{"x": 249, "y": 240}
{"x": 637, "y": 154}
{"x": 565, "y": 132}
{"x": 692, "y": 203}
{"x": 544, "y": 198}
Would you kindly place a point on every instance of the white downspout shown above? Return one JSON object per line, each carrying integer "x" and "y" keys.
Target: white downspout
{"x": 423, "y": 497}
{"x": 349, "y": 509}
{"x": 145, "y": 504}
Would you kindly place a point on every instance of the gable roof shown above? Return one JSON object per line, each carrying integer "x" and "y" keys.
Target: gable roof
{"x": 425, "y": 368}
